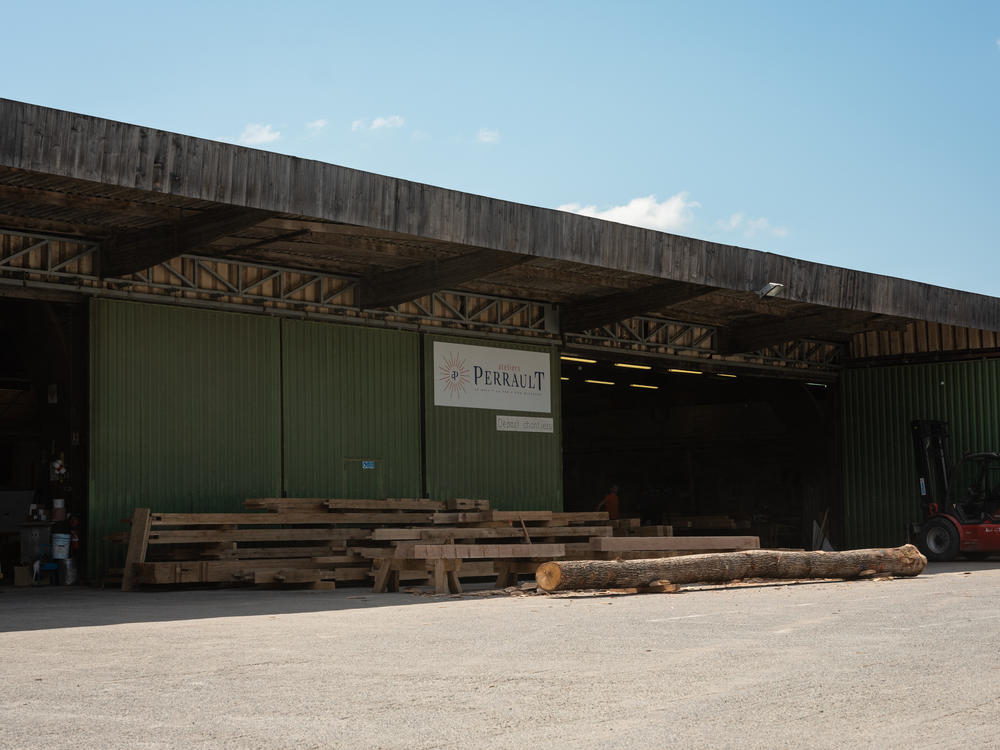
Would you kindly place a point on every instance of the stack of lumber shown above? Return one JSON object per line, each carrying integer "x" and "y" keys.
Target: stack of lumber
{"x": 321, "y": 542}
{"x": 485, "y": 542}
{"x": 512, "y": 543}
{"x": 283, "y": 541}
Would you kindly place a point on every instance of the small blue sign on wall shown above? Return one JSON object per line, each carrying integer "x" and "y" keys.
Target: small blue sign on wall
{"x": 367, "y": 465}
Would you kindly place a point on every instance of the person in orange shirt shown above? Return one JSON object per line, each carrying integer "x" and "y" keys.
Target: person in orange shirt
{"x": 610, "y": 503}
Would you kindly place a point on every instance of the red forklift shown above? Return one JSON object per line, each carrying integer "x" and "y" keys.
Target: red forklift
{"x": 960, "y": 503}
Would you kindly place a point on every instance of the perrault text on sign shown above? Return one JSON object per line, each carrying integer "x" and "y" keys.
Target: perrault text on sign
{"x": 485, "y": 377}
{"x": 508, "y": 378}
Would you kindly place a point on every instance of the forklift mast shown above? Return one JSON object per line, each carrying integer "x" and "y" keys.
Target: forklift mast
{"x": 930, "y": 444}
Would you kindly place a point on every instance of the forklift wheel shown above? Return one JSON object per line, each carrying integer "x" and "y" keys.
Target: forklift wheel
{"x": 939, "y": 540}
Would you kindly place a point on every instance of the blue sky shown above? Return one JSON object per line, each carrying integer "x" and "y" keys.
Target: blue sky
{"x": 860, "y": 134}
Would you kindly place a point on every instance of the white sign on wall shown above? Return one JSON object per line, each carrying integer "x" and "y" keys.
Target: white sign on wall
{"x": 484, "y": 377}
{"x": 524, "y": 424}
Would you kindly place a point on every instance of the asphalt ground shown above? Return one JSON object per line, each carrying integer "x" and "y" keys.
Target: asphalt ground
{"x": 862, "y": 664}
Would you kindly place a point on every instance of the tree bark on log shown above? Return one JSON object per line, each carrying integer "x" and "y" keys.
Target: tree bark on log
{"x": 729, "y": 566}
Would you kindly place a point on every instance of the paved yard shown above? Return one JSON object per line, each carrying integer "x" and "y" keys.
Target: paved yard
{"x": 902, "y": 663}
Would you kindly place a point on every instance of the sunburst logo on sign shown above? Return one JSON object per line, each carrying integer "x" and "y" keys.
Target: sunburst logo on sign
{"x": 454, "y": 375}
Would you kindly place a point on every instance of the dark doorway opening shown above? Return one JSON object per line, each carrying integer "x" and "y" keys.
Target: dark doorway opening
{"x": 43, "y": 428}
{"x": 703, "y": 452}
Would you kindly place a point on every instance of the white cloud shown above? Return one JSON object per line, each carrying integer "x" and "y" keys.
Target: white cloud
{"x": 739, "y": 222}
{"x": 486, "y": 135}
{"x": 255, "y": 134}
{"x": 732, "y": 223}
{"x": 316, "y": 125}
{"x": 420, "y": 136}
{"x": 669, "y": 215}
{"x": 392, "y": 121}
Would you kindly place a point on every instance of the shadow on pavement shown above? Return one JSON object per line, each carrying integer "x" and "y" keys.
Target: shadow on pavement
{"x": 959, "y": 566}
{"x": 53, "y": 607}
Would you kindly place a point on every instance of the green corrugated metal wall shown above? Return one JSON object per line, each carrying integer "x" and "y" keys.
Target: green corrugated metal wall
{"x": 185, "y": 413}
{"x": 468, "y": 457}
{"x": 880, "y": 483}
{"x": 350, "y": 393}
{"x": 197, "y": 410}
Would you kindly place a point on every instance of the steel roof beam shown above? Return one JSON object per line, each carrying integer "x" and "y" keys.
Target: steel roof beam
{"x": 404, "y": 284}
{"x": 822, "y": 325}
{"x": 76, "y": 201}
{"x": 137, "y": 250}
{"x": 591, "y": 314}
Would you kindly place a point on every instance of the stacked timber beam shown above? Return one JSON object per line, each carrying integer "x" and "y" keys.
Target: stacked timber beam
{"x": 282, "y": 541}
{"x": 505, "y": 543}
{"x": 321, "y": 542}
{"x": 636, "y": 548}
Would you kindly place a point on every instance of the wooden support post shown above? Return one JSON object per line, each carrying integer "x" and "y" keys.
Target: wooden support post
{"x": 383, "y": 569}
{"x": 138, "y": 540}
{"x": 440, "y": 577}
{"x": 506, "y": 573}
{"x": 454, "y": 585}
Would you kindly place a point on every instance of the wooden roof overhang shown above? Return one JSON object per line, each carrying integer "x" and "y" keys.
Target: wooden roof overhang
{"x": 147, "y": 195}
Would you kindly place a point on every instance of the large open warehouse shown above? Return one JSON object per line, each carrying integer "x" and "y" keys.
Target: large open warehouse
{"x": 189, "y": 323}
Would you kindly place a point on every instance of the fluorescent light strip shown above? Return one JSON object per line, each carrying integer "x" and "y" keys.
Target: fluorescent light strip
{"x": 567, "y": 358}
{"x": 725, "y": 375}
{"x": 633, "y": 367}
{"x": 640, "y": 385}
{"x": 599, "y": 382}
{"x": 686, "y": 372}
{"x": 564, "y": 378}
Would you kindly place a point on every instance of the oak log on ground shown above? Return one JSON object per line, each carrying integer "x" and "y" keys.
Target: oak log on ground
{"x": 729, "y": 566}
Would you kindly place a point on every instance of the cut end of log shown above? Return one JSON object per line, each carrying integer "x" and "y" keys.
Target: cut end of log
{"x": 548, "y": 576}
{"x": 915, "y": 561}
